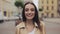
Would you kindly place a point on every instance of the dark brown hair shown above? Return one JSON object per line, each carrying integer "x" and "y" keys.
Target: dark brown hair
{"x": 35, "y": 19}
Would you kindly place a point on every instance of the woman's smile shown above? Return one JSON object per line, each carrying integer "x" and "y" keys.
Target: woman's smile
{"x": 29, "y": 15}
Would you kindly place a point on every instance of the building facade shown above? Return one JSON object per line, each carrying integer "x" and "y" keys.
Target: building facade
{"x": 58, "y": 8}
{"x": 8, "y": 8}
{"x": 49, "y": 8}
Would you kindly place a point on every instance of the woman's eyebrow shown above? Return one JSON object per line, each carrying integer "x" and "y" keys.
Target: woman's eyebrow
{"x": 26, "y": 8}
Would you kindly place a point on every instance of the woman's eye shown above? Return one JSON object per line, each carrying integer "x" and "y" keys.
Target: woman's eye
{"x": 32, "y": 9}
{"x": 26, "y": 9}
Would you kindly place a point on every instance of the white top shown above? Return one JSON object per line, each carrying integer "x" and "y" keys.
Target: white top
{"x": 32, "y": 32}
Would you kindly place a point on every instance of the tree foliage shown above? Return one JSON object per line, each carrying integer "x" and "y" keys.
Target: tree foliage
{"x": 19, "y": 4}
{"x": 40, "y": 9}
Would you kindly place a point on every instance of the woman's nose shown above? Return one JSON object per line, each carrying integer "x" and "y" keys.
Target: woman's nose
{"x": 29, "y": 11}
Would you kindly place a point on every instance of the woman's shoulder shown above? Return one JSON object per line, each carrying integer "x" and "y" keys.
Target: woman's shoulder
{"x": 42, "y": 23}
{"x": 20, "y": 25}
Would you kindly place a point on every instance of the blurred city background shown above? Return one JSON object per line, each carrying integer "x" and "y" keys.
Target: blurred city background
{"x": 11, "y": 11}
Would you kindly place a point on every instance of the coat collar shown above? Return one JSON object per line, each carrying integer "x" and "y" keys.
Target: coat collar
{"x": 22, "y": 24}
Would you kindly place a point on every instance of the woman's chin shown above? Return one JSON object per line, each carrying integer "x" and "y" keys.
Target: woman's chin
{"x": 29, "y": 18}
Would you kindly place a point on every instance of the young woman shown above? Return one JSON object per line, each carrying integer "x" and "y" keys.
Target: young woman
{"x": 31, "y": 23}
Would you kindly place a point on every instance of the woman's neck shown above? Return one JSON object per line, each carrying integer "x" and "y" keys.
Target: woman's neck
{"x": 29, "y": 22}
{"x": 29, "y": 25}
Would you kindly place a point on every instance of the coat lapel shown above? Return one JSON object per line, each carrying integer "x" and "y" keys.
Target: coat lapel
{"x": 24, "y": 31}
{"x": 37, "y": 31}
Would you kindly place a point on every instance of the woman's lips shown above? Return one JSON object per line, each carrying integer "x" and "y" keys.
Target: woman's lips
{"x": 29, "y": 15}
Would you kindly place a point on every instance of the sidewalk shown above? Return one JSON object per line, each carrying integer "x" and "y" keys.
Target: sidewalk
{"x": 7, "y": 27}
{"x": 52, "y": 25}
{"x": 54, "y": 20}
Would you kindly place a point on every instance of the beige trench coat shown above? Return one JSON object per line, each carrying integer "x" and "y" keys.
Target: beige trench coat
{"x": 20, "y": 29}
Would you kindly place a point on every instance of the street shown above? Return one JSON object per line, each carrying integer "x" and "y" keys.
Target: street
{"x": 8, "y": 27}
{"x": 52, "y": 26}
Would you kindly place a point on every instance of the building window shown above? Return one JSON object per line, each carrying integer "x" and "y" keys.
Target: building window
{"x": 5, "y": 13}
{"x": 47, "y": 8}
{"x": 52, "y": 15}
{"x": 47, "y": 14}
{"x": 58, "y": 0}
{"x": 42, "y": 7}
{"x": 59, "y": 4}
{"x": 42, "y": 15}
{"x": 42, "y": 2}
{"x": 47, "y": 2}
{"x": 52, "y": 8}
{"x": 52, "y": 1}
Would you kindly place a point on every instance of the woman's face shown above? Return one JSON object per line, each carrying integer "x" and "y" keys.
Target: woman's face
{"x": 29, "y": 11}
